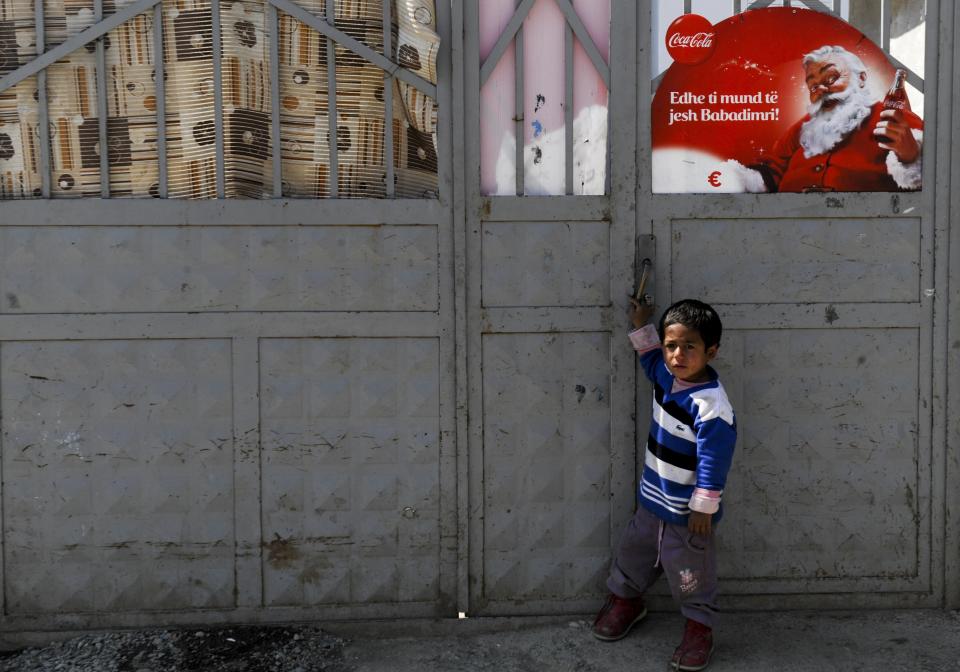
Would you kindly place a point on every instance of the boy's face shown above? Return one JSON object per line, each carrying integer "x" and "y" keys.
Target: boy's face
{"x": 686, "y": 355}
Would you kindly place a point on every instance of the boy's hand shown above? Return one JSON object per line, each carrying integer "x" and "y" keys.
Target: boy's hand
{"x": 640, "y": 313}
{"x": 699, "y": 523}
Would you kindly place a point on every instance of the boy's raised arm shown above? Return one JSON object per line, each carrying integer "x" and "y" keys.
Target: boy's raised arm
{"x": 644, "y": 337}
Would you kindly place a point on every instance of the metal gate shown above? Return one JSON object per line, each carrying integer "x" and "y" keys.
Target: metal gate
{"x": 221, "y": 410}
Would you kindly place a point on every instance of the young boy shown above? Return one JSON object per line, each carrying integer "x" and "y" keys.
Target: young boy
{"x": 688, "y": 454}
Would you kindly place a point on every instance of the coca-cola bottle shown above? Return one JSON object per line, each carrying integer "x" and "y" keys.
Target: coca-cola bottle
{"x": 896, "y": 98}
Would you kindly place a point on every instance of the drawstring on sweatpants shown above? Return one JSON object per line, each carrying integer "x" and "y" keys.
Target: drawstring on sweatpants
{"x": 659, "y": 543}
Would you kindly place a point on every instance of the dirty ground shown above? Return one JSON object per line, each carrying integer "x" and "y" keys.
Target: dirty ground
{"x": 912, "y": 641}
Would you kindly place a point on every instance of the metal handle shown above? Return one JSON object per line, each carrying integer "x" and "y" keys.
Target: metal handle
{"x": 645, "y": 267}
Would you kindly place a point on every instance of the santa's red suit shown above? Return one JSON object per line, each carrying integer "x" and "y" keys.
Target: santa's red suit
{"x": 857, "y": 163}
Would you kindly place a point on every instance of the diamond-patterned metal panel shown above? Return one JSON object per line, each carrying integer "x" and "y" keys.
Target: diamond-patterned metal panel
{"x": 351, "y": 477}
{"x": 118, "y": 475}
{"x": 546, "y": 465}
{"x": 831, "y": 261}
{"x": 546, "y": 263}
{"x": 828, "y": 425}
{"x": 144, "y": 269}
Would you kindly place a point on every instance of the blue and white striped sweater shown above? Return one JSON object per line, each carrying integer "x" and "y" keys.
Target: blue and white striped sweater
{"x": 692, "y": 435}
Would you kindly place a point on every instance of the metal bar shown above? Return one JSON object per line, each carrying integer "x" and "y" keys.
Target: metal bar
{"x": 518, "y": 108}
{"x": 459, "y": 193}
{"x": 760, "y": 4}
{"x": 218, "y": 97}
{"x": 837, "y": 4}
{"x": 274, "y": 32}
{"x": 912, "y": 77}
{"x": 511, "y": 29}
{"x": 161, "y": 96}
{"x": 102, "y": 108}
{"x": 687, "y": 6}
{"x": 568, "y": 104}
{"x": 388, "y": 103}
{"x": 886, "y": 21}
{"x": 43, "y": 121}
{"x": 817, "y": 5}
{"x": 786, "y": 3}
{"x": 360, "y": 49}
{"x": 74, "y": 43}
{"x": 333, "y": 143}
{"x": 573, "y": 20}
{"x": 737, "y": 7}
{"x": 208, "y": 212}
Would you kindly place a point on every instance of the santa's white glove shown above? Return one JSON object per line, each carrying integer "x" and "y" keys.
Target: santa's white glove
{"x": 751, "y": 179}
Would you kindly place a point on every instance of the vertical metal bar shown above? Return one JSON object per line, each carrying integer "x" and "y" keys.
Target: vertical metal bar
{"x": 388, "y": 101}
{"x": 458, "y": 115}
{"x": 43, "y": 121}
{"x": 161, "y": 88}
{"x": 568, "y": 103}
{"x": 518, "y": 106}
{"x": 276, "y": 151}
{"x": 786, "y": 3}
{"x": 332, "y": 105}
{"x": 737, "y": 7}
{"x": 102, "y": 111}
{"x": 886, "y": 22}
{"x": 837, "y": 4}
{"x": 687, "y": 6}
{"x": 218, "y": 96}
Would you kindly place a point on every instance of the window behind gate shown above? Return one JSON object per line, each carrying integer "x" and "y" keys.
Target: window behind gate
{"x": 268, "y": 114}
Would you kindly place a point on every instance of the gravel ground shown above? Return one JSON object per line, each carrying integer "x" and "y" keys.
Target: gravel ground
{"x": 236, "y": 649}
{"x": 891, "y": 641}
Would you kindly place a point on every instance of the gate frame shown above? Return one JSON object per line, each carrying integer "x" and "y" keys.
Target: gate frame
{"x": 950, "y": 168}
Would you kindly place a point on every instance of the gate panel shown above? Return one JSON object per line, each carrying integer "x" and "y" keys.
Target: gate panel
{"x": 118, "y": 476}
{"x": 550, "y": 375}
{"x": 351, "y": 490}
{"x": 204, "y": 351}
{"x": 546, "y": 522}
{"x": 153, "y": 269}
{"x": 828, "y": 441}
{"x": 832, "y": 325}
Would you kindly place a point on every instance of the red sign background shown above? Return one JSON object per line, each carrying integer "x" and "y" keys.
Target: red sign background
{"x": 758, "y": 51}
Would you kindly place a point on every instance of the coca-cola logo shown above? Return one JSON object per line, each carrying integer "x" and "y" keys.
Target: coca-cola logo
{"x": 686, "y": 41}
{"x": 690, "y": 39}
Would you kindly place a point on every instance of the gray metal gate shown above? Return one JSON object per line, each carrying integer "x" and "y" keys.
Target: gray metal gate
{"x": 181, "y": 444}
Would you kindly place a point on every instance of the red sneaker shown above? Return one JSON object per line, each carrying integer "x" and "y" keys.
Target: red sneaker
{"x": 694, "y": 651}
{"x": 618, "y": 615}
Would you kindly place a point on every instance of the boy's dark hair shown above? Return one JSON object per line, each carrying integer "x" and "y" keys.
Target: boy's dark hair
{"x": 693, "y": 314}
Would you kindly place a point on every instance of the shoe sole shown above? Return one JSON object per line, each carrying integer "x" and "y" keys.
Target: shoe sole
{"x": 626, "y": 631}
{"x": 688, "y": 668}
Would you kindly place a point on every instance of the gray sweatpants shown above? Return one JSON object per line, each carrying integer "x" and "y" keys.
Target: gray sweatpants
{"x": 650, "y": 547}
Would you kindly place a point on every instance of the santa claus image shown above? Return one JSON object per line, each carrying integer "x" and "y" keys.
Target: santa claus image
{"x": 845, "y": 142}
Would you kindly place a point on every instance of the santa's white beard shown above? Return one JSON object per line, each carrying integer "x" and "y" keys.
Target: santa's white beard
{"x": 827, "y": 128}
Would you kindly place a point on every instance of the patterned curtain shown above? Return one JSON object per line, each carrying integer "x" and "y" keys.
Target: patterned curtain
{"x": 190, "y": 110}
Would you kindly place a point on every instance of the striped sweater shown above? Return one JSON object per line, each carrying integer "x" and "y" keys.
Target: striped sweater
{"x": 692, "y": 435}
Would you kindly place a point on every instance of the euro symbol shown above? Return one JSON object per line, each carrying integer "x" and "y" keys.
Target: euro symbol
{"x": 714, "y": 178}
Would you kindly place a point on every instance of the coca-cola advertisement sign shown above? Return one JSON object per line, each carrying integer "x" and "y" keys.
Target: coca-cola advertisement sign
{"x": 690, "y": 39}
{"x": 782, "y": 100}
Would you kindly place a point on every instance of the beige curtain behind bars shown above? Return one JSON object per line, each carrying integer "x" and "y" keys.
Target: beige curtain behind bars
{"x": 190, "y": 134}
